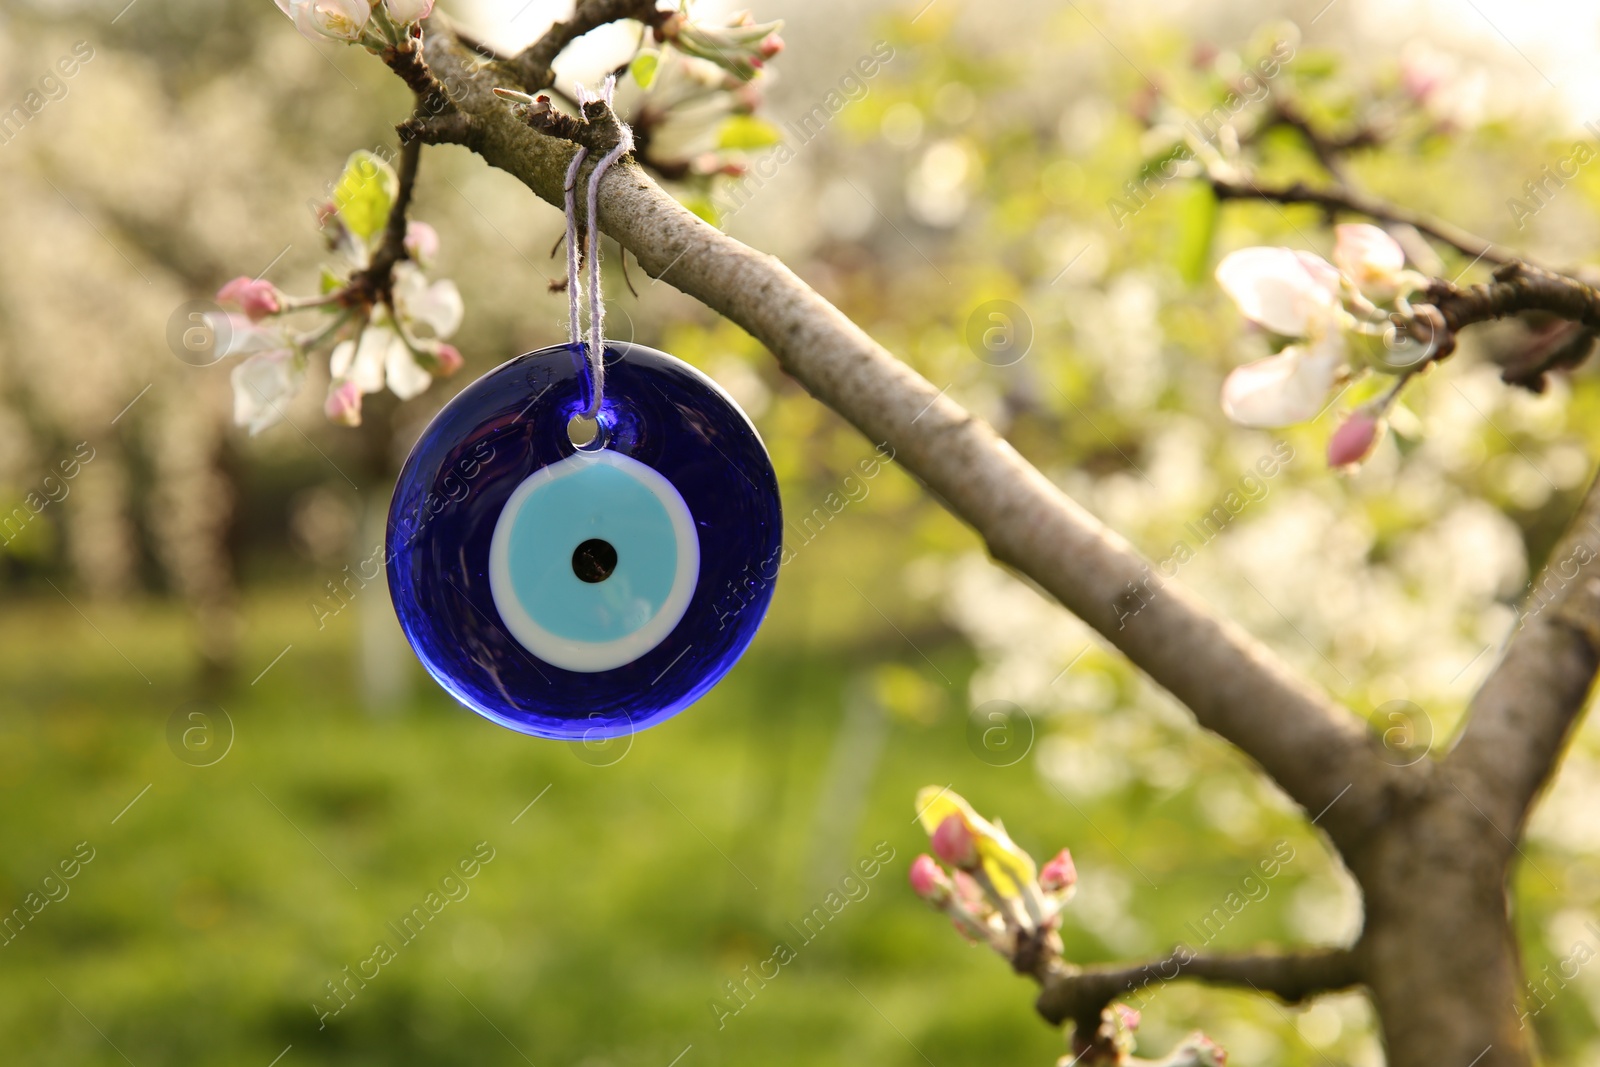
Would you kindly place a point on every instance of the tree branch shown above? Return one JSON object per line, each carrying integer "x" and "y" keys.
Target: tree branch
{"x": 1349, "y": 202}
{"x": 1520, "y": 719}
{"x": 1329, "y": 149}
{"x": 407, "y": 61}
{"x": 1236, "y": 688}
{"x": 532, "y": 66}
{"x": 1079, "y": 996}
{"x": 1516, "y": 288}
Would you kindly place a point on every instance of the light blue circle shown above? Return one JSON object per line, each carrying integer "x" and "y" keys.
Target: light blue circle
{"x": 601, "y": 502}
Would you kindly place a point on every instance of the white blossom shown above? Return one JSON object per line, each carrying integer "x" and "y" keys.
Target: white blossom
{"x": 342, "y": 20}
{"x": 1287, "y": 388}
{"x": 1370, "y": 258}
{"x": 1288, "y": 292}
{"x": 262, "y": 385}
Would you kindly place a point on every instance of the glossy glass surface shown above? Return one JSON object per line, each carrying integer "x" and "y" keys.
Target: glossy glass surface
{"x": 584, "y": 593}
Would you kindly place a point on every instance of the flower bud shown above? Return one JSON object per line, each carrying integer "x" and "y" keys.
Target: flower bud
{"x": 741, "y": 49}
{"x": 953, "y": 843}
{"x": 254, "y": 297}
{"x": 1354, "y": 439}
{"x": 1196, "y": 1050}
{"x": 422, "y": 242}
{"x": 1058, "y": 875}
{"x": 447, "y": 360}
{"x": 928, "y": 879}
{"x": 404, "y": 11}
{"x": 747, "y": 98}
{"x": 343, "y": 405}
{"x": 1370, "y": 258}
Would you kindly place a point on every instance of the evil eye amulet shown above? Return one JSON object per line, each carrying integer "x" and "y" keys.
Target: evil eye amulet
{"x": 584, "y": 591}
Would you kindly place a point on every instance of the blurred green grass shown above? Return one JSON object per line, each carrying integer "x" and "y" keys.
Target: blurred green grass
{"x": 614, "y": 911}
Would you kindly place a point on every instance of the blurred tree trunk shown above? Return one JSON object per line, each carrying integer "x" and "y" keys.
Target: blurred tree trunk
{"x": 1440, "y": 956}
{"x": 384, "y": 657}
{"x": 191, "y": 515}
{"x": 102, "y": 543}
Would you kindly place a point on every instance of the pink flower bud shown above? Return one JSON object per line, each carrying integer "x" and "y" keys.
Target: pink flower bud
{"x": 1198, "y": 1050}
{"x": 770, "y": 45}
{"x": 970, "y": 892}
{"x": 1059, "y": 874}
{"x": 953, "y": 843}
{"x": 1354, "y": 438}
{"x": 670, "y": 27}
{"x": 747, "y": 96}
{"x": 254, "y": 297}
{"x": 1423, "y": 71}
{"x": 404, "y": 11}
{"x": 928, "y": 879}
{"x": 447, "y": 360}
{"x": 422, "y": 242}
{"x": 343, "y": 404}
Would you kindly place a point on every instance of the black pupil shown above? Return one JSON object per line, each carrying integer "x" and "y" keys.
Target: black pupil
{"x": 594, "y": 560}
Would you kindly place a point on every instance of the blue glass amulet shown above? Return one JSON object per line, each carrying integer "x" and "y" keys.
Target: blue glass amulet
{"x": 584, "y": 591}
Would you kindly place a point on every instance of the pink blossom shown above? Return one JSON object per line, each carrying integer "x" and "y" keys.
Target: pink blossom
{"x": 422, "y": 242}
{"x": 344, "y": 403}
{"x": 256, "y": 298}
{"x": 1059, "y": 874}
{"x": 928, "y": 879}
{"x": 954, "y": 843}
{"x": 770, "y": 45}
{"x": 970, "y": 892}
{"x": 449, "y": 360}
{"x": 404, "y": 11}
{"x": 1423, "y": 71}
{"x": 1354, "y": 439}
{"x": 1197, "y": 1050}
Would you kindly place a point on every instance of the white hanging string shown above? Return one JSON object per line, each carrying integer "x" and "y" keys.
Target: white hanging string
{"x": 594, "y": 351}
{"x": 597, "y": 309}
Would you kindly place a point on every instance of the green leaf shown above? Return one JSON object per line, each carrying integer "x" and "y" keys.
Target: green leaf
{"x": 1197, "y": 225}
{"x": 747, "y": 132}
{"x": 644, "y": 67}
{"x": 702, "y": 206}
{"x": 330, "y": 281}
{"x": 364, "y": 194}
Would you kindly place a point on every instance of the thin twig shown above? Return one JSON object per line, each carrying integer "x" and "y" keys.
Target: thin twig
{"x": 1329, "y": 149}
{"x": 1081, "y": 995}
{"x": 1336, "y": 201}
{"x": 532, "y": 66}
{"x": 406, "y": 60}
